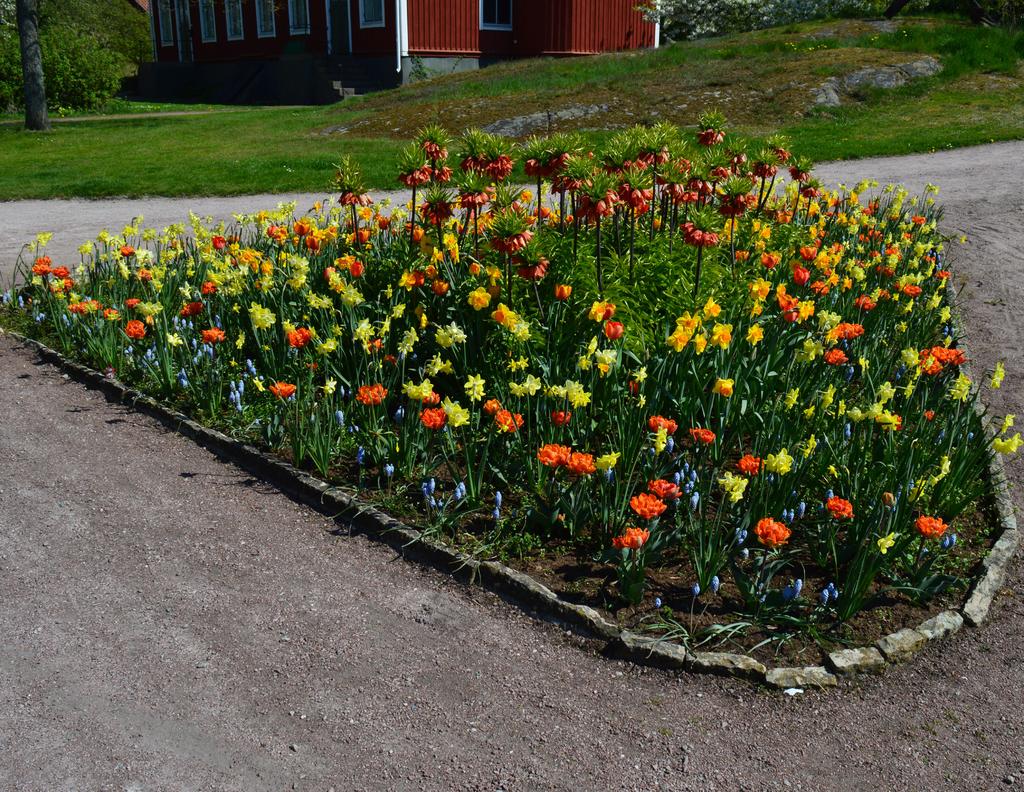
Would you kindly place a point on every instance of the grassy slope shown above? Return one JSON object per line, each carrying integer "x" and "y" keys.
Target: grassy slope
{"x": 762, "y": 81}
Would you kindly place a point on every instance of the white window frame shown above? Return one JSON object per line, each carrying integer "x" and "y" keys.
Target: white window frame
{"x": 206, "y": 36}
{"x": 292, "y": 28}
{"x": 364, "y": 24}
{"x": 489, "y": 26}
{"x": 227, "y": 20}
{"x": 260, "y": 20}
{"x": 166, "y": 11}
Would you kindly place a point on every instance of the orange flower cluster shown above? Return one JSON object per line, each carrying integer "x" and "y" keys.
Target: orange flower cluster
{"x": 372, "y": 395}
{"x": 554, "y": 455}
{"x": 577, "y": 463}
{"x": 656, "y": 423}
{"x": 935, "y": 359}
{"x": 135, "y": 329}
{"x": 282, "y": 389}
{"x": 213, "y": 336}
{"x": 930, "y": 527}
{"x": 508, "y": 421}
{"x": 434, "y": 418}
{"x": 561, "y": 417}
{"x": 632, "y": 539}
{"x": 749, "y": 464}
{"x": 580, "y": 464}
{"x": 772, "y": 533}
{"x": 846, "y": 330}
{"x": 704, "y": 436}
{"x": 299, "y": 337}
{"x": 647, "y": 506}
{"x": 836, "y": 357}
{"x": 841, "y": 509}
{"x": 666, "y": 490}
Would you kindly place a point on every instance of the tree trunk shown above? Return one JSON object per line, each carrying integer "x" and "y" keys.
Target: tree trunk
{"x": 32, "y": 65}
{"x": 895, "y": 7}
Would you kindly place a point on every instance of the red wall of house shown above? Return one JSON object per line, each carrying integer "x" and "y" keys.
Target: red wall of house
{"x": 603, "y": 25}
{"x": 569, "y": 27}
{"x": 250, "y": 47}
{"x": 436, "y": 28}
{"x": 379, "y": 40}
{"x": 444, "y": 27}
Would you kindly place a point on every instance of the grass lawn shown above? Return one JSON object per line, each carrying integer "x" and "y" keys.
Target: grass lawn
{"x": 762, "y": 81}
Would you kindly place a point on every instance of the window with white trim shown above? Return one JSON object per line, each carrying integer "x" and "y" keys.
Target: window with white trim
{"x": 495, "y": 14}
{"x": 207, "y": 21}
{"x": 371, "y": 13}
{"x": 233, "y": 16}
{"x": 166, "y": 23}
{"x": 266, "y": 27}
{"x": 298, "y": 17}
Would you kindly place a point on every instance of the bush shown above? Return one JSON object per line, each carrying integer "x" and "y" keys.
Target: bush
{"x": 696, "y": 18}
{"x": 79, "y": 72}
{"x": 88, "y": 47}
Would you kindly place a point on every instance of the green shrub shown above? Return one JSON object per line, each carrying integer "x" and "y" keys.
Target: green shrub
{"x": 79, "y": 73}
{"x": 88, "y": 46}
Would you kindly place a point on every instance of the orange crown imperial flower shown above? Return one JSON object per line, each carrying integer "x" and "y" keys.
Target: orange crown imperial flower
{"x": 632, "y": 539}
{"x": 772, "y": 533}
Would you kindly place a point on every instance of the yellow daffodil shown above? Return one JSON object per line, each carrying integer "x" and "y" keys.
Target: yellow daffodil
{"x": 475, "y": 387}
{"x": 997, "y": 376}
{"x": 780, "y": 463}
{"x": 734, "y": 486}
{"x": 262, "y": 318}
{"x": 1007, "y": 445}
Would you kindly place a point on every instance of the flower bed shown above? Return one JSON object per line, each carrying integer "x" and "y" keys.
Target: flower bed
{"x": 738, "y": 410}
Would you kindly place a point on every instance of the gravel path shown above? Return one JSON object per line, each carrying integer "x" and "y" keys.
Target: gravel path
{"x": 171, "y": 623}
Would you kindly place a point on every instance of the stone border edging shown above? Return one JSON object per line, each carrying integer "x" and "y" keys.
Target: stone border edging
{"x": 530, "y": 595}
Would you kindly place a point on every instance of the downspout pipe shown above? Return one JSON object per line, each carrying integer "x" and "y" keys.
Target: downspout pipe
{"x": 398, "y": 36}
{"x": 401, "y": 32}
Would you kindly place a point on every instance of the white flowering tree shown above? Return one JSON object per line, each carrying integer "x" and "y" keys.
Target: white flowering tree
{"x": 696, "y": 18}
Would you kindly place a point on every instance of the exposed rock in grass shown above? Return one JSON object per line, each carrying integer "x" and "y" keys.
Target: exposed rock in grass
{"x": 520, "y": 126}
{"x": 829, "y": 93}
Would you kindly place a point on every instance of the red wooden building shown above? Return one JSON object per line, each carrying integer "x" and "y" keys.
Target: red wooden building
{"x": 302, "y": 51}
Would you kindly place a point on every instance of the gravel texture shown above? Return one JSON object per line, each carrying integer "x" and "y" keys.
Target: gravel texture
{"x": 171, "y": 623}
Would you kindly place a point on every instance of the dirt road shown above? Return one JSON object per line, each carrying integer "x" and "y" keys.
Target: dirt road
{"x": 169, "y": 623}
